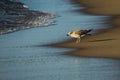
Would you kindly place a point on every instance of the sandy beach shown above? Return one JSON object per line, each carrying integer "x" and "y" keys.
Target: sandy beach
{"x": 105, "y": 44}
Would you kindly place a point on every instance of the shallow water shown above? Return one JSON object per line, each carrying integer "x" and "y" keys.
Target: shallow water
{"x": 23, "y": 58}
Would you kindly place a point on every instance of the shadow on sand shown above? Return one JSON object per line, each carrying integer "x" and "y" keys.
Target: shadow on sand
{"x": 102, "y": 40}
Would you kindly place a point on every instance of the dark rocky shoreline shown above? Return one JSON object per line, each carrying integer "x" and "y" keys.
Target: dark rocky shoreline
{"x": 16, "y": 16}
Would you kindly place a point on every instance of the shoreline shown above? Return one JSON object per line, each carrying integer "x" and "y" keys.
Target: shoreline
{"x": 104, "y": 44}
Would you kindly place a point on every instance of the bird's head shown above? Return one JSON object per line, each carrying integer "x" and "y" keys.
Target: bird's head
{"x": 69, "y": 33}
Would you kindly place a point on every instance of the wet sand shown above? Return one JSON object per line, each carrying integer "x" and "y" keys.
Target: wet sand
{"x": 105, "y": 44}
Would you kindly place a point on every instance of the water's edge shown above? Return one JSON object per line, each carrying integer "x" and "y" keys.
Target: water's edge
{"x": 17, "y": 16}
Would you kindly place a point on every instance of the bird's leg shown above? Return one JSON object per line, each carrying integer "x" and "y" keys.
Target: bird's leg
{"x": 78, "y": 40}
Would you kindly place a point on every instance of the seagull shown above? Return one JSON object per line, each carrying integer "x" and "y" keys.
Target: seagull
{"x": 78, "y": 34}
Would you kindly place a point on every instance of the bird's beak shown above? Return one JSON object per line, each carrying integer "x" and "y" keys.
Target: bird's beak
{"x": 67, "y": 35}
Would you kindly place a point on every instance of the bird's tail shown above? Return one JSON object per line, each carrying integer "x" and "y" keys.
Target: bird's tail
{"x": 89, "y": 30}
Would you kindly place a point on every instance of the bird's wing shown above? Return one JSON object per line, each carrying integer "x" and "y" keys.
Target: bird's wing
{"x": 81, "y": 32}
{"x": 77, "y": 31}
{"x": 85, "y": 31}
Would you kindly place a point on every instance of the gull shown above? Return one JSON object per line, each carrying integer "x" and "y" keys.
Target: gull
{"x": 78, "y": 34}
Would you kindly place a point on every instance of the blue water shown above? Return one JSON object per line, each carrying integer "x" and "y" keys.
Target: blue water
{"x": 23, "y": 58}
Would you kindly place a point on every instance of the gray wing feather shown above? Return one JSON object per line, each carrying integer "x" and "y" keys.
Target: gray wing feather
{"x": 77, "y": 31}
{"x": 81, "y": 32}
